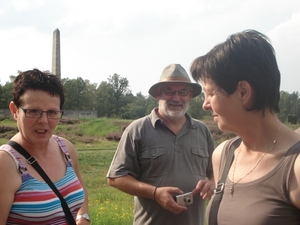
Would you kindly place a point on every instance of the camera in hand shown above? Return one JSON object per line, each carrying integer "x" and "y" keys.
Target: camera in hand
{"x": 184, "y": 199}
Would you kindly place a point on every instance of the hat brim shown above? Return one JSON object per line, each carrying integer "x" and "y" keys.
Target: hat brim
{"x": 196, "y": 88}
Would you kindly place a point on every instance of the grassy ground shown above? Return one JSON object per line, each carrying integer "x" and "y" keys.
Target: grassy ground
{"x": 107, "y": 205}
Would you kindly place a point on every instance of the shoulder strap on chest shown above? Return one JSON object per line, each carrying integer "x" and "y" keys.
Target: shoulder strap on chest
{"x": 233, "y": 144}
{"x": 32, "y": 161}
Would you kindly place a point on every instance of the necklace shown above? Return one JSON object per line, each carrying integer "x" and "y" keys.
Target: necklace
{"x": 256, "y": 164}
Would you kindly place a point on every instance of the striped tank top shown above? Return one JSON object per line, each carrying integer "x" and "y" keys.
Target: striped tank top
{"x": 36, "y": 203}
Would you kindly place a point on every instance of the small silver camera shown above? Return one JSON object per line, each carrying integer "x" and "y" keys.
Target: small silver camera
{"x": 184, "y": 199}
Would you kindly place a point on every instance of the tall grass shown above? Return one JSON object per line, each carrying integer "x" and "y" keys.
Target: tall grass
{"x": 100, "y": 127}
{"x": 107, "y": 205}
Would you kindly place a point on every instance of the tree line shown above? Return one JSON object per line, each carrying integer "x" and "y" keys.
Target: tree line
{"x": 113, "y": 98}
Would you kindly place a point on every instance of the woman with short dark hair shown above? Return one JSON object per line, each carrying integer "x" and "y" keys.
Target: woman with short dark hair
{"x": 25, "y": 196}
{"x": 241, "y": 80}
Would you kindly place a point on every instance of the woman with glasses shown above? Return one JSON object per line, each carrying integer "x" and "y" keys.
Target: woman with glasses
{"x": 25, "y": 197}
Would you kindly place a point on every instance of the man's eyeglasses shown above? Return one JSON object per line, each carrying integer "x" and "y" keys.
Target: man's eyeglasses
{"x": 35, "y": 113}
{"x": 181, "y": 93}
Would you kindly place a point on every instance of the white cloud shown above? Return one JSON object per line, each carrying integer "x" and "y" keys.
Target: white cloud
{"x": 285, "y": 39}
{"x": 23, "y": 5}
{"x": 137, "y": 39}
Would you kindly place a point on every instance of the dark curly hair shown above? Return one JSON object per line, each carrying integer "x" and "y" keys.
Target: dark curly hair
{"x": 37, "y": 80}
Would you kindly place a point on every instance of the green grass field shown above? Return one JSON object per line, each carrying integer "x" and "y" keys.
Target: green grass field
{"x": 107, "y": 205}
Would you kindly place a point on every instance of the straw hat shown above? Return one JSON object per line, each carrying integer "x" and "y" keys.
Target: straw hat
{"x": 175, "y": 73}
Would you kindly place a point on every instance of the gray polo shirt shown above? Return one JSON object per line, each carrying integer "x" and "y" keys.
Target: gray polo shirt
{"x": 152, "y": 153}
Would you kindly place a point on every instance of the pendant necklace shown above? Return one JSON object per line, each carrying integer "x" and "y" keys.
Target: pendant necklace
{"x": 258, "y": 161}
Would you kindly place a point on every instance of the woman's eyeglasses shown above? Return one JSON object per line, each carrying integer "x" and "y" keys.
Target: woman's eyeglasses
{"x": 35, "y": 113}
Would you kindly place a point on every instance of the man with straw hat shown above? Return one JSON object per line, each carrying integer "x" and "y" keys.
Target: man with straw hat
{"x": 165, "y": 155}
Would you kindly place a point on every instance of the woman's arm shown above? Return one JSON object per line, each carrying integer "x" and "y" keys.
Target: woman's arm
{"x": 74, "y": 157}
{"x": 295, "y": 184}
{"x": 10, "y": 182}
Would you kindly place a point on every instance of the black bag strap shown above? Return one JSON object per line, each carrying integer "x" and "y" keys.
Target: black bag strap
{"x": 32, "y": 161}
{"x": 213, "y": 214}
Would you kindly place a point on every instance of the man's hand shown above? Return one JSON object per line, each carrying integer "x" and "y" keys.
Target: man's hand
{"x": 164, "y": 197}
{"x": 205, "y": 188}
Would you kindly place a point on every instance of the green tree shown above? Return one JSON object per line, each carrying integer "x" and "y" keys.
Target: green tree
{"x": 114, "y": 99}
{"x": 74, "y": 93}
{"x": 288, "y": 105}
{"x": 104, "y": 99}
{"x": 119, "y": 88}
{"x": 150, "y": 104}
{"x": 292, "y": 119}
{"x": 89, "y": 96}
{"x": 135, "y": 106}
{"x": 6, "y": 93}
{"x": 195, "y": 110}
{"x": 295, "y": 109}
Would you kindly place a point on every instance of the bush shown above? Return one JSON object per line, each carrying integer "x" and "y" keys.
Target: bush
{"x": 292, "y": 119}
{"x": 115, "y": 136}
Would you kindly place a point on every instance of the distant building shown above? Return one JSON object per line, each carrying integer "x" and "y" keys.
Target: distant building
{"x": 80, "y": 114}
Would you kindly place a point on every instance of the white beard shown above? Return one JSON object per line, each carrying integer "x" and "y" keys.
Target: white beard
{"x": 170, "y": 113}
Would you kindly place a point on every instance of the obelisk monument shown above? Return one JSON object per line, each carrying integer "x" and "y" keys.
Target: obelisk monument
{"x": 56, "y": 54}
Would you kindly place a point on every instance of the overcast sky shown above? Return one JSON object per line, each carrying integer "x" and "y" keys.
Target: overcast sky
{"x": 137, "y": 39}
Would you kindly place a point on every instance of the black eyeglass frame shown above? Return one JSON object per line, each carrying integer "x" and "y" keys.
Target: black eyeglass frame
{"x": 181, "y": 93}
{"x": 40, "y": 113}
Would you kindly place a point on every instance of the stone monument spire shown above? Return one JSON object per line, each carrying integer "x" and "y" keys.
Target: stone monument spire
{"x": 56, "y": 54}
